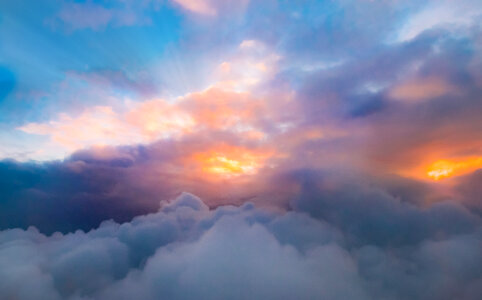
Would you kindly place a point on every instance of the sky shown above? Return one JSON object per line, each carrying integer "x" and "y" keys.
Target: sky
{"x": 241, "y": 149}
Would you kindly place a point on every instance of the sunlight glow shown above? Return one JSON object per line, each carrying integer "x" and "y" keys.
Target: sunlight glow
{"x": 447, "y": 168}
{"x": 230, "y": 161}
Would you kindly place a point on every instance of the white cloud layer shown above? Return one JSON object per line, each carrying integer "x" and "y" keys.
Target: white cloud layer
{"x": 187, "y": 251}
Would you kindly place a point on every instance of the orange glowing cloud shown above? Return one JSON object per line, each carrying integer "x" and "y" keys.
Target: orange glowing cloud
{"x": 145, "y": 122}
{"x": 219, "y": 109}
{"x": 420, "y": 89}
{"x": 229, "y": 160}
{"x": 101, "y": 125}
{"x": 157, "y": 119}
{"x": 439, "y": 169}
{"x": 447, "y": 168}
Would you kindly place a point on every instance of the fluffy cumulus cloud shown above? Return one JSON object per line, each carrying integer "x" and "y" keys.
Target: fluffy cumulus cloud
{"x": 188, "y": 251}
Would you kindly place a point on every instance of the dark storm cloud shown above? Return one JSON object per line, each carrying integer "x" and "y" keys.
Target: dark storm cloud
{"x": 55, "y": 197}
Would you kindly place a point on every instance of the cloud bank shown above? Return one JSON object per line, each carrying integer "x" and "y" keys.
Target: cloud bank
{"x": 188, "y": 251}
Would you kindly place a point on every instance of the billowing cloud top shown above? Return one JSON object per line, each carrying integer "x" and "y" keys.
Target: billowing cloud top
{"x": 336, "y": 147}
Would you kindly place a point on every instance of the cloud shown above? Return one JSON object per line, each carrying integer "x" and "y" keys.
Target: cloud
{"x": 201, "y": 7}
{"x": 291, "y": 120}
{"x": 253, "y": 63}
{"x": 220, "y": 109}
{"x": 110, "y": 80}
{"x": 440, "y": 14}
{"x": 433, "y": 117}
{"x": 370, "y": 214}
{"x": 123, "y": 109}
{"x": 420, "y": 89}
{"x": 146, "y": 121}
{"x": 88, "y": 15}
{"x": 187, "y": 251}
{"x": 468, "y": 189}
{"x": 97, "y": 126}
{"x": 312, "y": 140}
{"x": 211, "y": 7}
{"x": 98, "y": 16}
{"x": 149, "y": 121}
{"x": 121, "y": 182}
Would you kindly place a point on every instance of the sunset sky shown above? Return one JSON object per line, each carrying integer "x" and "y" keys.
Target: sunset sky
{"x": 241, "y": 149}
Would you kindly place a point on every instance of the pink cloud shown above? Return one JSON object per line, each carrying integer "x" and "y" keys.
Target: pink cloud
{"x": 101, "y": 125}
{"x": 420, "y": 89}
{"x": 198, "y": 6}
{"x": 212, "y": 7}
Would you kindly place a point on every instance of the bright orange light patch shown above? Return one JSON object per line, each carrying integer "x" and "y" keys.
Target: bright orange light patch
{"x": 223, "y": 165}
{"x": 448, "y": 168}
{"x": 229, "y": 161}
